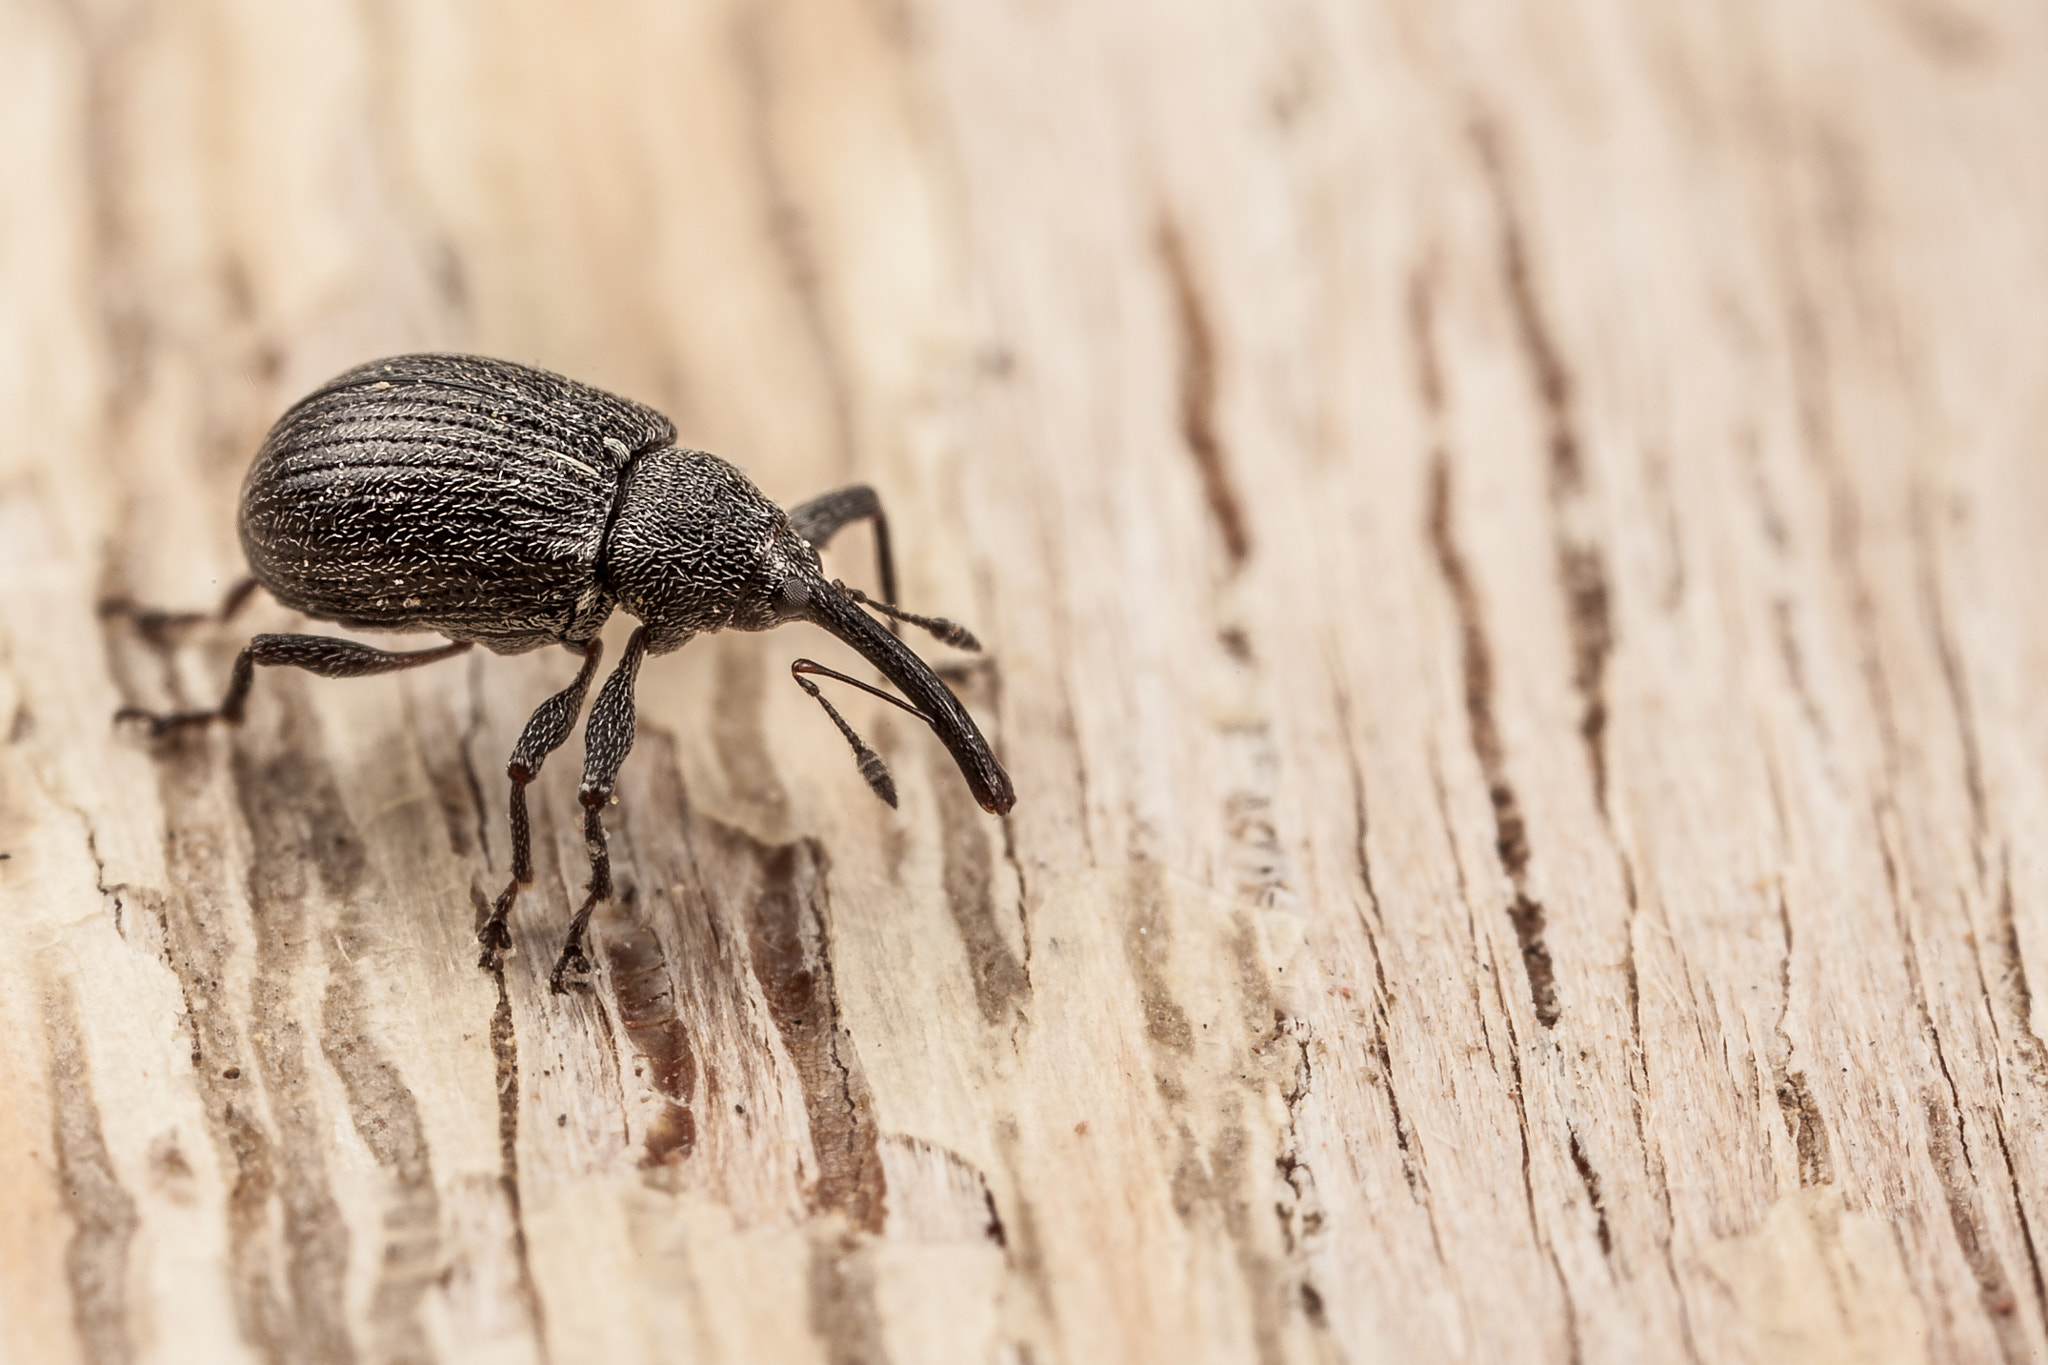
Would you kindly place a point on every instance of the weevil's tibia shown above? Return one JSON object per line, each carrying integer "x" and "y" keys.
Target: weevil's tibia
{"x": 606, "y": 740}
{"x": 948, "y": 632}
{"x": 544, "y": 733}
{"x": 319, "y": 654}
{"x": 872, "y": 768}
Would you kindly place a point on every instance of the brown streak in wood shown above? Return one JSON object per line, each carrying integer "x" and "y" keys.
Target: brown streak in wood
{"x": 844, "y": 1314}
{"x": 2012, "y": 1185}
{"x": 991, "y": 673}
{"x": 1946, "y": 1125}
{"x": 505, "y": 1058}
{"x": 1945, "y": 1141}
{"x": 458, "y": 793}
{"x": 1581, "y": 566}
{"x": 1590, "y": 1179}
{"x": 1198, "y": 383}
{"x": 641, "y": 984}
{"x": 2017, "y": 993}
{"x": 1511, "y": 842}
{"x": 1926, "y": 555}
{"x": 1002, "y": 986}
{"x": 1520, "y": 1100}
{"x": 386, "y": 1117}
{"x": 196, "y": 949}
{"x": 1229, "y": 1177}
{"x": 784, "y": 904}
{"x": 1803, "y": 1122}
{"x": 103, "y": 1214}
{"x": 1372, "y": 925}
{"x": 1148, "y": 945}
{"x": 296, "y": 823}
{"x": 1023, "y": 1244}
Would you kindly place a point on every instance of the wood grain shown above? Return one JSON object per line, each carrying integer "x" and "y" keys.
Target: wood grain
{"x": 1510, "y": 544}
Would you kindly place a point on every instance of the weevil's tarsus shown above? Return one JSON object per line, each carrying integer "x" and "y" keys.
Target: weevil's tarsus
{"x": 872, "y": 769}
{"x": 947, "y": 632}
{"x": 822, "y": 517}
{"x": 319, "y": 654}
{"x": 549, "y": 726}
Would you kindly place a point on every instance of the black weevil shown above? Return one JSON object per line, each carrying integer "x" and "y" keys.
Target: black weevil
{"x": 506, "y": 506}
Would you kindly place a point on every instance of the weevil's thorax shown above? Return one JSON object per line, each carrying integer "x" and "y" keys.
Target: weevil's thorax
{"x": 695, "y": 547}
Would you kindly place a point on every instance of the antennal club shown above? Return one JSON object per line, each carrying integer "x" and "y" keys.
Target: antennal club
{"x": 871, "y": 766}
{"x": 948, "y": 632}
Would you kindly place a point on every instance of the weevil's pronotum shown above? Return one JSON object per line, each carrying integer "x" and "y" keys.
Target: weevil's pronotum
{"x": 506, "y": 506}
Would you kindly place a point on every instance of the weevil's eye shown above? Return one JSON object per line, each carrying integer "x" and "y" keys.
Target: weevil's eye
{"x": 793, "y": 596}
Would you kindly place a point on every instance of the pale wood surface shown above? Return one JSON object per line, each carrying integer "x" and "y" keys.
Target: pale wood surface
{"x": 1510, "y": 539}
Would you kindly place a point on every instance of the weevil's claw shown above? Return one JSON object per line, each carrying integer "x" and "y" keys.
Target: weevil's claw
{"x": 572, "y": 962}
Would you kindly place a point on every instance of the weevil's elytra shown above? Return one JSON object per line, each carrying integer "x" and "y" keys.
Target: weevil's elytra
{"x": 508, "y": 507}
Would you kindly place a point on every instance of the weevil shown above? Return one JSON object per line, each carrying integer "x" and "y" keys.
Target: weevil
{"x": 506, "y": 506}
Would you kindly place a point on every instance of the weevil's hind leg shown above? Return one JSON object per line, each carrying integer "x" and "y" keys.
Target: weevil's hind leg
{"x": 549, "y": 726}
{"x": 320, "y": 654}
{"x": 606, "y": 740}
{"x": 820, "y": 519}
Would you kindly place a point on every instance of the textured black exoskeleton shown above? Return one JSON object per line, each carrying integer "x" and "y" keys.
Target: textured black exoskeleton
{"x": 506, "y": 506}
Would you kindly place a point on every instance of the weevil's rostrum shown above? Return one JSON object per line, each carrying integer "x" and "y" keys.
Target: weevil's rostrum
{"x": 509, "y": 507}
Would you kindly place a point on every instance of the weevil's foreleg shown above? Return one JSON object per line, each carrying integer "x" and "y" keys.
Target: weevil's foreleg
{"x": 321, "y": 654}
{"x": 606, "y": 740}
{"x": 820, "y": 519}
{"x": 544, "y": 733}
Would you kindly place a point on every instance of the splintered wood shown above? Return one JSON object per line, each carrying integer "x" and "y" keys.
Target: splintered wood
{"x": 1509, "y": 540}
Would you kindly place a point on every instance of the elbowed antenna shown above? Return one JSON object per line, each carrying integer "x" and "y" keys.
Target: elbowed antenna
{"x": 836, "y": 612}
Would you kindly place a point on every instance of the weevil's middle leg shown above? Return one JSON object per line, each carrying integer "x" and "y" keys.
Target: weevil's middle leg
{"x": 544, "y": 733}
{"x": 607, "y": 739}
